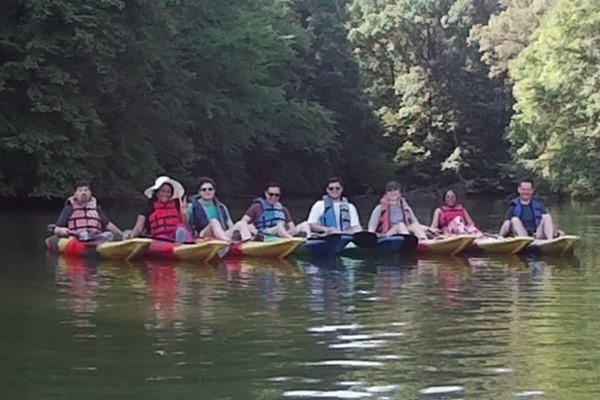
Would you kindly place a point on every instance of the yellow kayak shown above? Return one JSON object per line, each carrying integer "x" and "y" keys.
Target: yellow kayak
{"x": 123, "y": 250}
{"x": 203, "y": 250}
{"x": 510, "y": 245}
{"x": 279, "y": 248}
{"x": 450, "y": 245}
{"x": 119, "y": 250}
{"x": 560, "y": 246}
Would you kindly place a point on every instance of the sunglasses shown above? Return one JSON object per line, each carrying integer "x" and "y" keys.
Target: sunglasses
{"x": 273, "y": 194}
{"x": 207, "y": 189}
{"x": 334, "y": 188}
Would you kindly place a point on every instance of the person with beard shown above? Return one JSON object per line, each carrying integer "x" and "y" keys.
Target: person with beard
{"x": 84, "y": 218}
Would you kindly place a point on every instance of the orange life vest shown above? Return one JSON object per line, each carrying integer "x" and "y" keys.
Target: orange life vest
{"x": 384, "y": 219}
{"x": 449, "y": 213}
{"x": 164, "y": 218}
{"x": 84, "y": 217}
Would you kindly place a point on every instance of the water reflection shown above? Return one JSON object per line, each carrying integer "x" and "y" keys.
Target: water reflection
{"x": 416, "y": 327}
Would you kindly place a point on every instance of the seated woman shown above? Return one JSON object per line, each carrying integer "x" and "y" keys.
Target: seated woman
{"x": 451, "y": 218}
{"x": 210, "y": 218}
{"x": 394, "y": 216}
{"x": 163, "y": 216}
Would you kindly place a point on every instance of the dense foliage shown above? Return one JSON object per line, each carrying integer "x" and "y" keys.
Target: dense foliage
{"x": 250, "y": 91}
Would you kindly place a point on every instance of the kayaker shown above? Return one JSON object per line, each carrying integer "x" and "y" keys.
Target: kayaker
{"x": 163, "y": 216}
{"x": 208, "y": 217}
{"x": 526, "y": 216}
{"x": 452, "y": 218}
{"x": 268, "y": 215}
{"x": 393, "y": 215}
{"x": 83, "y": 217}
{"x": 334, "y": 213}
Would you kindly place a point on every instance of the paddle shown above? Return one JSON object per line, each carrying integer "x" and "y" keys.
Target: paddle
{"x": 330, "y": 237}
{"x": 410, "y": 242}
{"x": 365, "y": 239}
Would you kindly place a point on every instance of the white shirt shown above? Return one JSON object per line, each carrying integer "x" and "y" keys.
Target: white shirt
{"x": 319, "y": 208}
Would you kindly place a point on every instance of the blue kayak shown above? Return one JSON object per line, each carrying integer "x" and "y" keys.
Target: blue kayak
{"x": 385, "y": 245}
{"x": 326, "y": 246}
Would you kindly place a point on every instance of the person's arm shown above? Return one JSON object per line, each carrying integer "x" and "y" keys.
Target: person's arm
{"x": 61, "y": 228}
{"x": 252, "y": 213}
{"x": 140, "y": 222}
{"x": 413, "y": 216}
{"x": 314, "y": 215}
{"x": 183, "y": 207}
{"x": 374, "y": 219}
{"x": 468, "y": 218}
{"x": 228, "y": 220}
{"x": 139, "y": 226}
{"x": 354, "y": 220}
{"x": 107, "y": 225}
{"x": 289, "y": 222}
{"x": 189, "y": 215}
{"x": 435, "y": 220}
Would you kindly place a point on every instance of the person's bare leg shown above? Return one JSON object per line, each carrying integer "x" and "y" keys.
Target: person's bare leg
{"x": 505, "y": 228}
{"x": 418, "y": 231}
{"x": 301, "y": 227}
{"x": 517, "y": 227}
{"x": 246, "y": 231}
{"x": 545, "y": 229}
{"x": 215, "y": 230}
{"x": 281, "y": 231}
{"x": 398, "y": 229}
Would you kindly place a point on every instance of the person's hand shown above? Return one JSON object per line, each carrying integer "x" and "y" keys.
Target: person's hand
{"x": 62, "y": 231}
{"x": 184, "y": 205}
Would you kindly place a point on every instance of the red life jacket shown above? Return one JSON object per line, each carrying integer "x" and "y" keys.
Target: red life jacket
{"x": 384, "y": 219}
{"x": 449, "y": 213}
{"x": 164, "y": 218}
{"x": 84, "y": 217}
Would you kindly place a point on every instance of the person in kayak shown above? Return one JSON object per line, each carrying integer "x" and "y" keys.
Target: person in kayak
{"x": 163, "y": 215}
{"x": 526, "y": 216}
{"x": 268, "y": 216}
{"x": 451, "y": 218}
{"x": 393, "y": 215}
{"x": 334, "y": 213}
{"x": 83, "y": 217}
{"x": 208, "y": 217}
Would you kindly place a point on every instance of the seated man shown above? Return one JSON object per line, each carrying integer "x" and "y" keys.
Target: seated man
{"x": 268, "y": 216}
{"x": 83, "y": 217}
{"x": 208, "y": 217}
{"x": 526, "y": 216}
{"x": 333, "y": 213}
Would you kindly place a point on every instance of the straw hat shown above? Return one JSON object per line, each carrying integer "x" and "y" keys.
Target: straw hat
{"x": 178, "y": 190}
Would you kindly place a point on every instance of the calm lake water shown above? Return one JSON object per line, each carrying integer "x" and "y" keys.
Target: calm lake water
{"x": 396, "y": 328}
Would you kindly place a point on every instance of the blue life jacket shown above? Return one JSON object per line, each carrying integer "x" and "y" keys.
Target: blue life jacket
{"x": 328, "y": 217}
{"x": 272, "y": 214}
{"x": 538, "y": 209}
{"x": 200, "y": 219}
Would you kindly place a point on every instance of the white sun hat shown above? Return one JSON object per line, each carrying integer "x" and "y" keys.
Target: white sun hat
{"x": 178, "y": 190}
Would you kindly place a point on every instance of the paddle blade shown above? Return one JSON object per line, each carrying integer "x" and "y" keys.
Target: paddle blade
{"x": 332, "y": 237}
{"x": 409, "y": 244}
{"x": 365, "y": 239}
